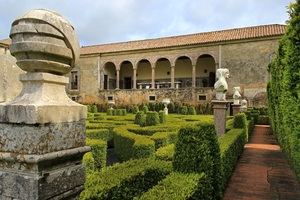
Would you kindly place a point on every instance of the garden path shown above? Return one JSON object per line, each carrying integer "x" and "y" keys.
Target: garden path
{"x": 262, "y": 172}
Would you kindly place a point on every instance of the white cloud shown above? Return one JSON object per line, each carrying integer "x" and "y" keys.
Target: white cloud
{"x": 105, "y": 21}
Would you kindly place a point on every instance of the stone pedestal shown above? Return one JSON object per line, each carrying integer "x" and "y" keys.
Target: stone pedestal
{"x": 42, "y": 138}
{"x": 220, "y": 108}
{"x": 236, "y": 108}
{"x": 166, "y": 111}
{"x": 42, "y": 141}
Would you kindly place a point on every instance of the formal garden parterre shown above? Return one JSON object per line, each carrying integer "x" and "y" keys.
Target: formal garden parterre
{"x": 179, "y": 157}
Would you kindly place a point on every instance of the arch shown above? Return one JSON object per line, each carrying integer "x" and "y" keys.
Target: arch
{"x": 163, "y": 73}
{"x": 109, "y": 76}
{"x": 144, "y": 74}
{"x": 183, "y": 72}
{"x": 205, "y": 71}
{"x": 126, "y": 75}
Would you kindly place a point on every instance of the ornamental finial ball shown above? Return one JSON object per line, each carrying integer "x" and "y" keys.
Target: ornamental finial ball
{"x": 44, "y": 41}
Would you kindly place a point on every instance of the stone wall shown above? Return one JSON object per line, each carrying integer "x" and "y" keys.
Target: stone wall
{"x": 10, "y": 86}
{"x": 247, "y": 62}
{"x": 134, "y": 97}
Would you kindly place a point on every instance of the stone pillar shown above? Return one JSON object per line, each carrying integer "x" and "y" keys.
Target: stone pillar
{"x": 42, "y": 130}
{"x": 134, "y": 78}
{"x": 220, "y": 108}
{"x": 153, "y": 78}
{"x": 236, "y": 108}
{"x": 118, "y": 79}
{"x": 102, "y": 80}
{"x": 194, "y": 76}
{"x": 172, "y": 76}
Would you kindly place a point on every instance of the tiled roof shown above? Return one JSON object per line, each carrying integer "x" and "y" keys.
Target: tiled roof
{"x": 192, "y": 39}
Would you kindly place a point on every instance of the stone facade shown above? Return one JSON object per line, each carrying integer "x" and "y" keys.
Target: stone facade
{"x": 10, "y": 87}
{"x": 247, "y": 61}
{"x": 113, "y": 69}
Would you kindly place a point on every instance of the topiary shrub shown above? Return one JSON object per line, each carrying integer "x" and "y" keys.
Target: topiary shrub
{"x": 88, "y": 162}
{"x": 124, "y": 112}
{"x": 93, "y": 109}
{"x": 102, "y": 134}
{"x": 145, "y": 109}
{"x": 197, "y": 150}
{"x": 178, "y": 186}
{"x": 99, "y": 151}
{"x": 184, "y": 110}
{"x": 231, "y": 147}
{"x": 140, "y": 118}
{"x": 162, "y": 117}
{"x": 110, "y": 112}
{"x": 191, "y": 110}
{"x": 135, "y": 109}
{"x": 129, "y": 145}
{"x": 119, "y": 112}
{"x": 152, "y": 118}
{"x": 165, "y": 153}
{"x": 240, "y": 120}
{"x": 126, "y": 180}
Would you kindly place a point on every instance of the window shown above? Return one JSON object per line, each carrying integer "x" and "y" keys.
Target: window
{"x": 201, "y": 97}
{"x": 74, "y": 80}
{"x": 110, "y": 98}
{"x": 74, "y": 98}
{"x": 152, "y": 98}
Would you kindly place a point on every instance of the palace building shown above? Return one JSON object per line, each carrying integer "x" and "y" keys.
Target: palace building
{"x": 181, "y": 68}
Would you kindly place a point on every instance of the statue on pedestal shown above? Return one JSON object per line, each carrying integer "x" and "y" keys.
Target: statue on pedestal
{"x": 221, "y": 85}
{"x": 236, "y": 95}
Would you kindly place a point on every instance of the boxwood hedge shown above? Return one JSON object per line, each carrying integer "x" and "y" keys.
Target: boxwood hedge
{"x": 196, "y": 151}
{"x": 129, "y": 145}
{"x": 126, "y": 180}
{"x": 178, "y": 186}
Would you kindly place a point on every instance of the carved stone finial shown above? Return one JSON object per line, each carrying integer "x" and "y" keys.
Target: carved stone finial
{"x": 221, "y": 85}
{"x": 43, "y": 41}
{"x": 236, "y": 95}
{"x": 46, "y": 47}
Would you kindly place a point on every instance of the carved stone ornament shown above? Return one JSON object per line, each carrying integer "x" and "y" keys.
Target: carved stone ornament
{"x": 221, "y": 85}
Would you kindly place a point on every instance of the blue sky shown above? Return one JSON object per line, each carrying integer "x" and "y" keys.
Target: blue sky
{"x": 106, "y": 21}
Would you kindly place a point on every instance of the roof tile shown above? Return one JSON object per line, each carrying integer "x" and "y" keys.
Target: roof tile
{"x": 191, "y": 39}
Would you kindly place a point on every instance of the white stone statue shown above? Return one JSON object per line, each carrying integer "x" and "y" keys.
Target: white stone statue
{"x": 236, "y": 95}
{"x": 111, "y": 103}
{"x": 221, "y": 85}
{"x": 166, "y": 101}
{"x": 244, "y": 105}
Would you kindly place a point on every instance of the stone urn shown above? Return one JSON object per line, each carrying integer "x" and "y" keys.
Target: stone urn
{"x": 111, "y": 103}
{"x": 166, "y": 102}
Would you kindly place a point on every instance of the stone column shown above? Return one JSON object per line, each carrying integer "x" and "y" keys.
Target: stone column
{"x": 118, "y": 79}
{"x": 236, "y": 108}
{"x": 42, "y": 130}
{"x": 220, "y": 108}
{"x": 194, "y": 76}
{"x": 134, "y": 78}
{"x": 153, "y": 78}
{"x": 102, "y": 80}
{"x": 172, "y": 76}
